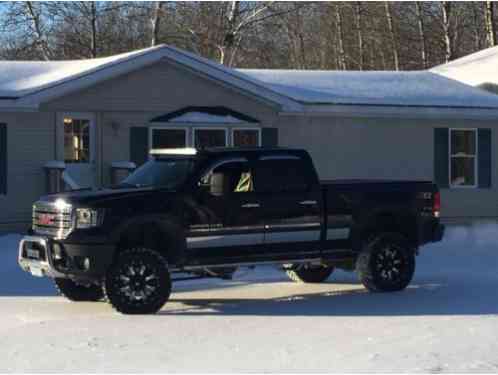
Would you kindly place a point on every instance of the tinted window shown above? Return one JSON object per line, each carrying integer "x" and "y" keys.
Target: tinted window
{"x": 168, "y": 138}
{"x": 282, "y": 175}
{"x": 76, "y": 141}
{"x": 169, "y": 173}
{"x": 246, "y": 138}
{"x": 210, "y": 138}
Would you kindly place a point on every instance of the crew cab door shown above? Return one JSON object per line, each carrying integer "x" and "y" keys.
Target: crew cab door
{"x": 233, "y": 227}
{"x": 291, "y": 201}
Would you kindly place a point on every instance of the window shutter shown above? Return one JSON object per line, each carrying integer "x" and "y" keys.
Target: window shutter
{"x": 484, "y": 157}
{"x": 269, "y": 137}
{"x": 441, "y": 157}
{"x": 3, "y": 159}
{"x": 139, "y": 144}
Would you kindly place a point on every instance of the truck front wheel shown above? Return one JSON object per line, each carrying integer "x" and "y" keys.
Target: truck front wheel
{"x": 78, "y": 292}
{"x": 138, "y": 282}
{"x": 307, "y": 273}
{"x": 386, "y": 263}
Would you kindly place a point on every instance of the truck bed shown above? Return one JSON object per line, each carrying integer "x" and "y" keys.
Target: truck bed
{"x": 376, "y": 185}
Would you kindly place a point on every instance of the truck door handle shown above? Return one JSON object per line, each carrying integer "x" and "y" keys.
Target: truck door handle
{"x": 307, "y": 203}
{"x": 250, "y": 205}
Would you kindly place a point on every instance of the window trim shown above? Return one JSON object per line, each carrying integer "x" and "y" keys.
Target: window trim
{"x": 4, "y": 193}
{"x": 152, "y": 128}
{"x": 476, "y": 159}
{"x": 225, "y": 129}
{"x": 258, "y": 129}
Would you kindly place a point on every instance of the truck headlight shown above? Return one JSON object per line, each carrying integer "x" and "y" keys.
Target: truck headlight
{"x": 87, "y": 218}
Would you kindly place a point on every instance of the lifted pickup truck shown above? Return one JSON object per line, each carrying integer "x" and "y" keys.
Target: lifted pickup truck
{"x": 207, "y": 212}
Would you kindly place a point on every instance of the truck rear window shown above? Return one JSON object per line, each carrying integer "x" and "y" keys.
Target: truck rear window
{"x": 281, "y": 175}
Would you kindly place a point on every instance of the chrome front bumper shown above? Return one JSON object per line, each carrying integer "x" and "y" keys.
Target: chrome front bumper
{"x": 37, "y": 267}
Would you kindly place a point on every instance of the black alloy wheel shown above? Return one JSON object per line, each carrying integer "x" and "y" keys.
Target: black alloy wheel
{"x": 138, "y": 282}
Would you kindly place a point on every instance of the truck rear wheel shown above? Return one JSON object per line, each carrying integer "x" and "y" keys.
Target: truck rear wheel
{"x": 78, "y": 292}
{"x": 138, "y": 282}
{"x": 307, "y": 273}
{"x": 386, "y": 263}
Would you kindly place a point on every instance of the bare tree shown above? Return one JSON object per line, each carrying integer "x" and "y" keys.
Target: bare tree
{"x": 421, "y": 33}
{"x": 156, "y": 21}
{"x": 359, "y": 32}
{"x": 314, "y": 35}
{"x": 37, "y": 28}
{"x": 29, "y": 21}
{"x": 340, "y": 38}
{"x": 446, "y": 12}
{"x": 490, "y": 23}
{"x": 392, "y": 35}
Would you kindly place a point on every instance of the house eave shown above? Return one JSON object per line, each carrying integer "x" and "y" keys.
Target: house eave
{"x": 386, "y": 111}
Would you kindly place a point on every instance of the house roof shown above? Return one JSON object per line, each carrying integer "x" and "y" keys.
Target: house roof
{"x": 477, "y": 69}
{"x": 29, "y": 83}
{"x": 379, "y": 88}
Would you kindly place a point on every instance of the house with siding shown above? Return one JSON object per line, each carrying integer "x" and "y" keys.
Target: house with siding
{"x": 88, "y": 117}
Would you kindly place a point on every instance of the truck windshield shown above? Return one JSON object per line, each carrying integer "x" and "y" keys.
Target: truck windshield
{"x": 168, "y": 172}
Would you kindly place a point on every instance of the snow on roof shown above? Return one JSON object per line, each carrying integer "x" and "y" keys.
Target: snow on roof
{"x": 211, "y": 115}
{"x": 475, "y": 69}
{"x": 20, "y": 78}
{"x": 200, "y": 117}
{"x": 416, "y": 88}
{"x": 32, "y": 82}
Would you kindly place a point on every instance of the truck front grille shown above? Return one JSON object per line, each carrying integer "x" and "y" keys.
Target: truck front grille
{"x": 51, "y": 220}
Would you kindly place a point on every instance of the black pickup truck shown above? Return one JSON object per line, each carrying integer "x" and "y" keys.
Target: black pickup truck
{"x": 207, "y": 212}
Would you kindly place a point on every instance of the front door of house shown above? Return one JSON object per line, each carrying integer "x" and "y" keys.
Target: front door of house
{"x": 78, "y": 134}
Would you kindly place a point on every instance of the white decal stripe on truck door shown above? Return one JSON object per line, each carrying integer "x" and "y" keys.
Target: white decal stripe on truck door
{"x": 225, "y": 240}
{"x": 294, "y": 236}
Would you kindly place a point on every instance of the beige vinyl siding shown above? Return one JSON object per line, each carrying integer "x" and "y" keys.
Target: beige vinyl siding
{"x": 161, "y": 88}
{"x": 383, "y": 148}
{"x": 30, "y": 146}
{"x": 138, "y": 97}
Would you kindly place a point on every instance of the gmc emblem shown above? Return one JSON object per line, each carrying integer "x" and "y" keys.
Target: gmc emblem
{"x": 46, "y": 219}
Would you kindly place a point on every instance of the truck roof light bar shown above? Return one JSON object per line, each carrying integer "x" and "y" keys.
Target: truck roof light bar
{"x": 173, "y": 151}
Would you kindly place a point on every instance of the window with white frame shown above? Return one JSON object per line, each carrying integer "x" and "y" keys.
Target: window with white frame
{"x": 162, "y": 138}
{"x": 203, "y": 137}
{"x": 463, "y": 157}
{"x": 246, "y": 137}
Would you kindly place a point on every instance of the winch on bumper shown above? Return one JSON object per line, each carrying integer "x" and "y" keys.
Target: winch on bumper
{"x": 44, "y": 256}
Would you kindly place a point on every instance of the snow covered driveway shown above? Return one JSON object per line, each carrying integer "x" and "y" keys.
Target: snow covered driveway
{"x": 446, "y": 321}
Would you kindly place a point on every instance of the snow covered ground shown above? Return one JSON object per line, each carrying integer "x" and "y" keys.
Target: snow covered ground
{"x": 446, "y": 321}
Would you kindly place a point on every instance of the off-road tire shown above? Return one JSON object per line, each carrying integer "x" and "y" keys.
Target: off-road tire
{"x": 309, "y": 274}
{"x": 78, "y": 292}
{"x": 386, "y": 263}
{"x": 129, "y": 276}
